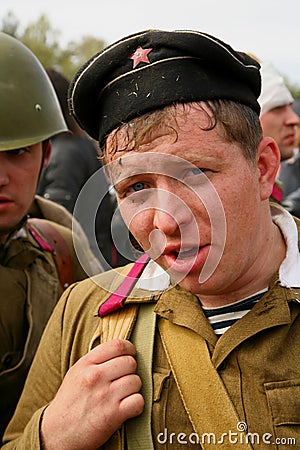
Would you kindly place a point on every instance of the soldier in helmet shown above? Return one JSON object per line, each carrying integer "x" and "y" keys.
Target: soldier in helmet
{"x": 38, "y": 258}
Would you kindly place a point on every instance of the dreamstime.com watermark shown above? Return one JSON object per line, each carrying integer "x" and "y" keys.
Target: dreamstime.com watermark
{"x": 240, "y": 436}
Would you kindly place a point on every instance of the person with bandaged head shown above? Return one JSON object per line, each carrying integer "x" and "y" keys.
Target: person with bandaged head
{"x": 277, "y": 117}
{"x": 289, "y": 174}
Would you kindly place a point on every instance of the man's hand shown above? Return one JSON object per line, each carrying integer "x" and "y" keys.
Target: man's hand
{"x": 97, "y": 395}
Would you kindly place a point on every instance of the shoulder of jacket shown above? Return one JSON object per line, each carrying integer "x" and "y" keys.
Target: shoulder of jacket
{"x": 70, "y": 229}
{"x": 99, "y": 286}
{"x": 49, "y": 228}
{"x": 43, "y": 208}
{"x": 99, "y": 289}
{"x": 89, "y": 294}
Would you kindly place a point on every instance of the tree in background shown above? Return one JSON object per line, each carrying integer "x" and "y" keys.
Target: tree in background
{"x": 44, "y": 40}
{"x": 294, "y": 88}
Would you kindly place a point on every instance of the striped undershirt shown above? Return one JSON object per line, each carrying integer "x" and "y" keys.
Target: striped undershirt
{"x": 223, "y": 317}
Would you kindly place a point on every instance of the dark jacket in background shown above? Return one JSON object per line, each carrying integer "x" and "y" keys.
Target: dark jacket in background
{"x": 290, "y": 178}
{"x": 73, "y": 162}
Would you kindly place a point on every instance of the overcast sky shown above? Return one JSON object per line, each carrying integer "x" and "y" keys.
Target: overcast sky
{"x": 268, "y": 28}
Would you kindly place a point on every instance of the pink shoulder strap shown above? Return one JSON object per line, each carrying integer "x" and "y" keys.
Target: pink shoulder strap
{"x": 116, "y": 299}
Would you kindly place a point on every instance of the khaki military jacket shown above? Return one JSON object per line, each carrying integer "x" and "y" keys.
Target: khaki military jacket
{"x": 84, "y": 260}
{"x": 257, "y": 360}
{"x": 29, "y": 290}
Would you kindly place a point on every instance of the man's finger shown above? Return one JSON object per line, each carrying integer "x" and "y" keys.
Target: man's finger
{"x": 109, "y": 350}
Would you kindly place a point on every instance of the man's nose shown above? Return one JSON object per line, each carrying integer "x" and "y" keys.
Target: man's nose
{"x": 4, "y": 177}
{"x": 292, "y": 117}
{"x": 171, "y": 212}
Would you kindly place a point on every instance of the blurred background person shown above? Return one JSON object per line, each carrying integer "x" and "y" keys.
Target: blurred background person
{"x": 74, "y": 159}
{"x": 277, "y": 117}
{"x": 290, "y": 175}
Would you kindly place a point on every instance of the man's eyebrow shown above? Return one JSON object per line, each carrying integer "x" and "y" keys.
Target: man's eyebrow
{"x": 145, "y": 163}
{"x": 124, "y": 168}
{"x": 118, "y": 173}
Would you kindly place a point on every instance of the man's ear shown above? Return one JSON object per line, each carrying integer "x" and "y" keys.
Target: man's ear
{"x": 47, "y": 147}
{"x": 268, "y": 163}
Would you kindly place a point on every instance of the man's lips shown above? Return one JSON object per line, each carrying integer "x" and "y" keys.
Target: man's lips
{"x": 290, "y": 138}
{"x": 5, "y": 201}
{"x": 186, "y": 259}
{"x": 187, "y": 252}
{"x": 182, "y": 249}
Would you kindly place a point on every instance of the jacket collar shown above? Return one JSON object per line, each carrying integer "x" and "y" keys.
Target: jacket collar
{"x": 289, "y": 271}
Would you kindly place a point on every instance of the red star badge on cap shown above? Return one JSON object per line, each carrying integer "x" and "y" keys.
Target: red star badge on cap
{"x": 140, "y": 55}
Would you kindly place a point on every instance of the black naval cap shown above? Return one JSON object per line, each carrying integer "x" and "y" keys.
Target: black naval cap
{"x": 152, "y": 69}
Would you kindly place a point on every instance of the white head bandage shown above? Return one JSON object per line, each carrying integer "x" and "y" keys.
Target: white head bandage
{"x": 274, "y": 92}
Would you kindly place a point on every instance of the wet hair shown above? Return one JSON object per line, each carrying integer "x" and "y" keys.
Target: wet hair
{"x": 237, "y": 124}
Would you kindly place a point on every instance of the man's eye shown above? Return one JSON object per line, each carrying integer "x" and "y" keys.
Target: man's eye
{"x": 197, "y": 175}
{"x": 197, "y": 170}
{"x": 194, "y": 171}
{"x": 18, "y": 151}
{"x": 124, "y": 191}
{"x": 139, "y": 186}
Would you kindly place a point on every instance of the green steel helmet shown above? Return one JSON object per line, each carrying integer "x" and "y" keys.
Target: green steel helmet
{"x": 29, "y": 108}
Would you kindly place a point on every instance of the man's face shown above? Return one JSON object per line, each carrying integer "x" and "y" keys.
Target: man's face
{"x": 194, "y": 204}
{"x": 281, "y": 124}
{"x": 19, "y": 172}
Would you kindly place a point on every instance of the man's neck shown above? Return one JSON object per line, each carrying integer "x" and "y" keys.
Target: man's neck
{"x": 272, "y": 255}
{"x": 4, "y": 237}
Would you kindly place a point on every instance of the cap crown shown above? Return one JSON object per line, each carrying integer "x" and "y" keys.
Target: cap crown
{"x": 153, "y": 69}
